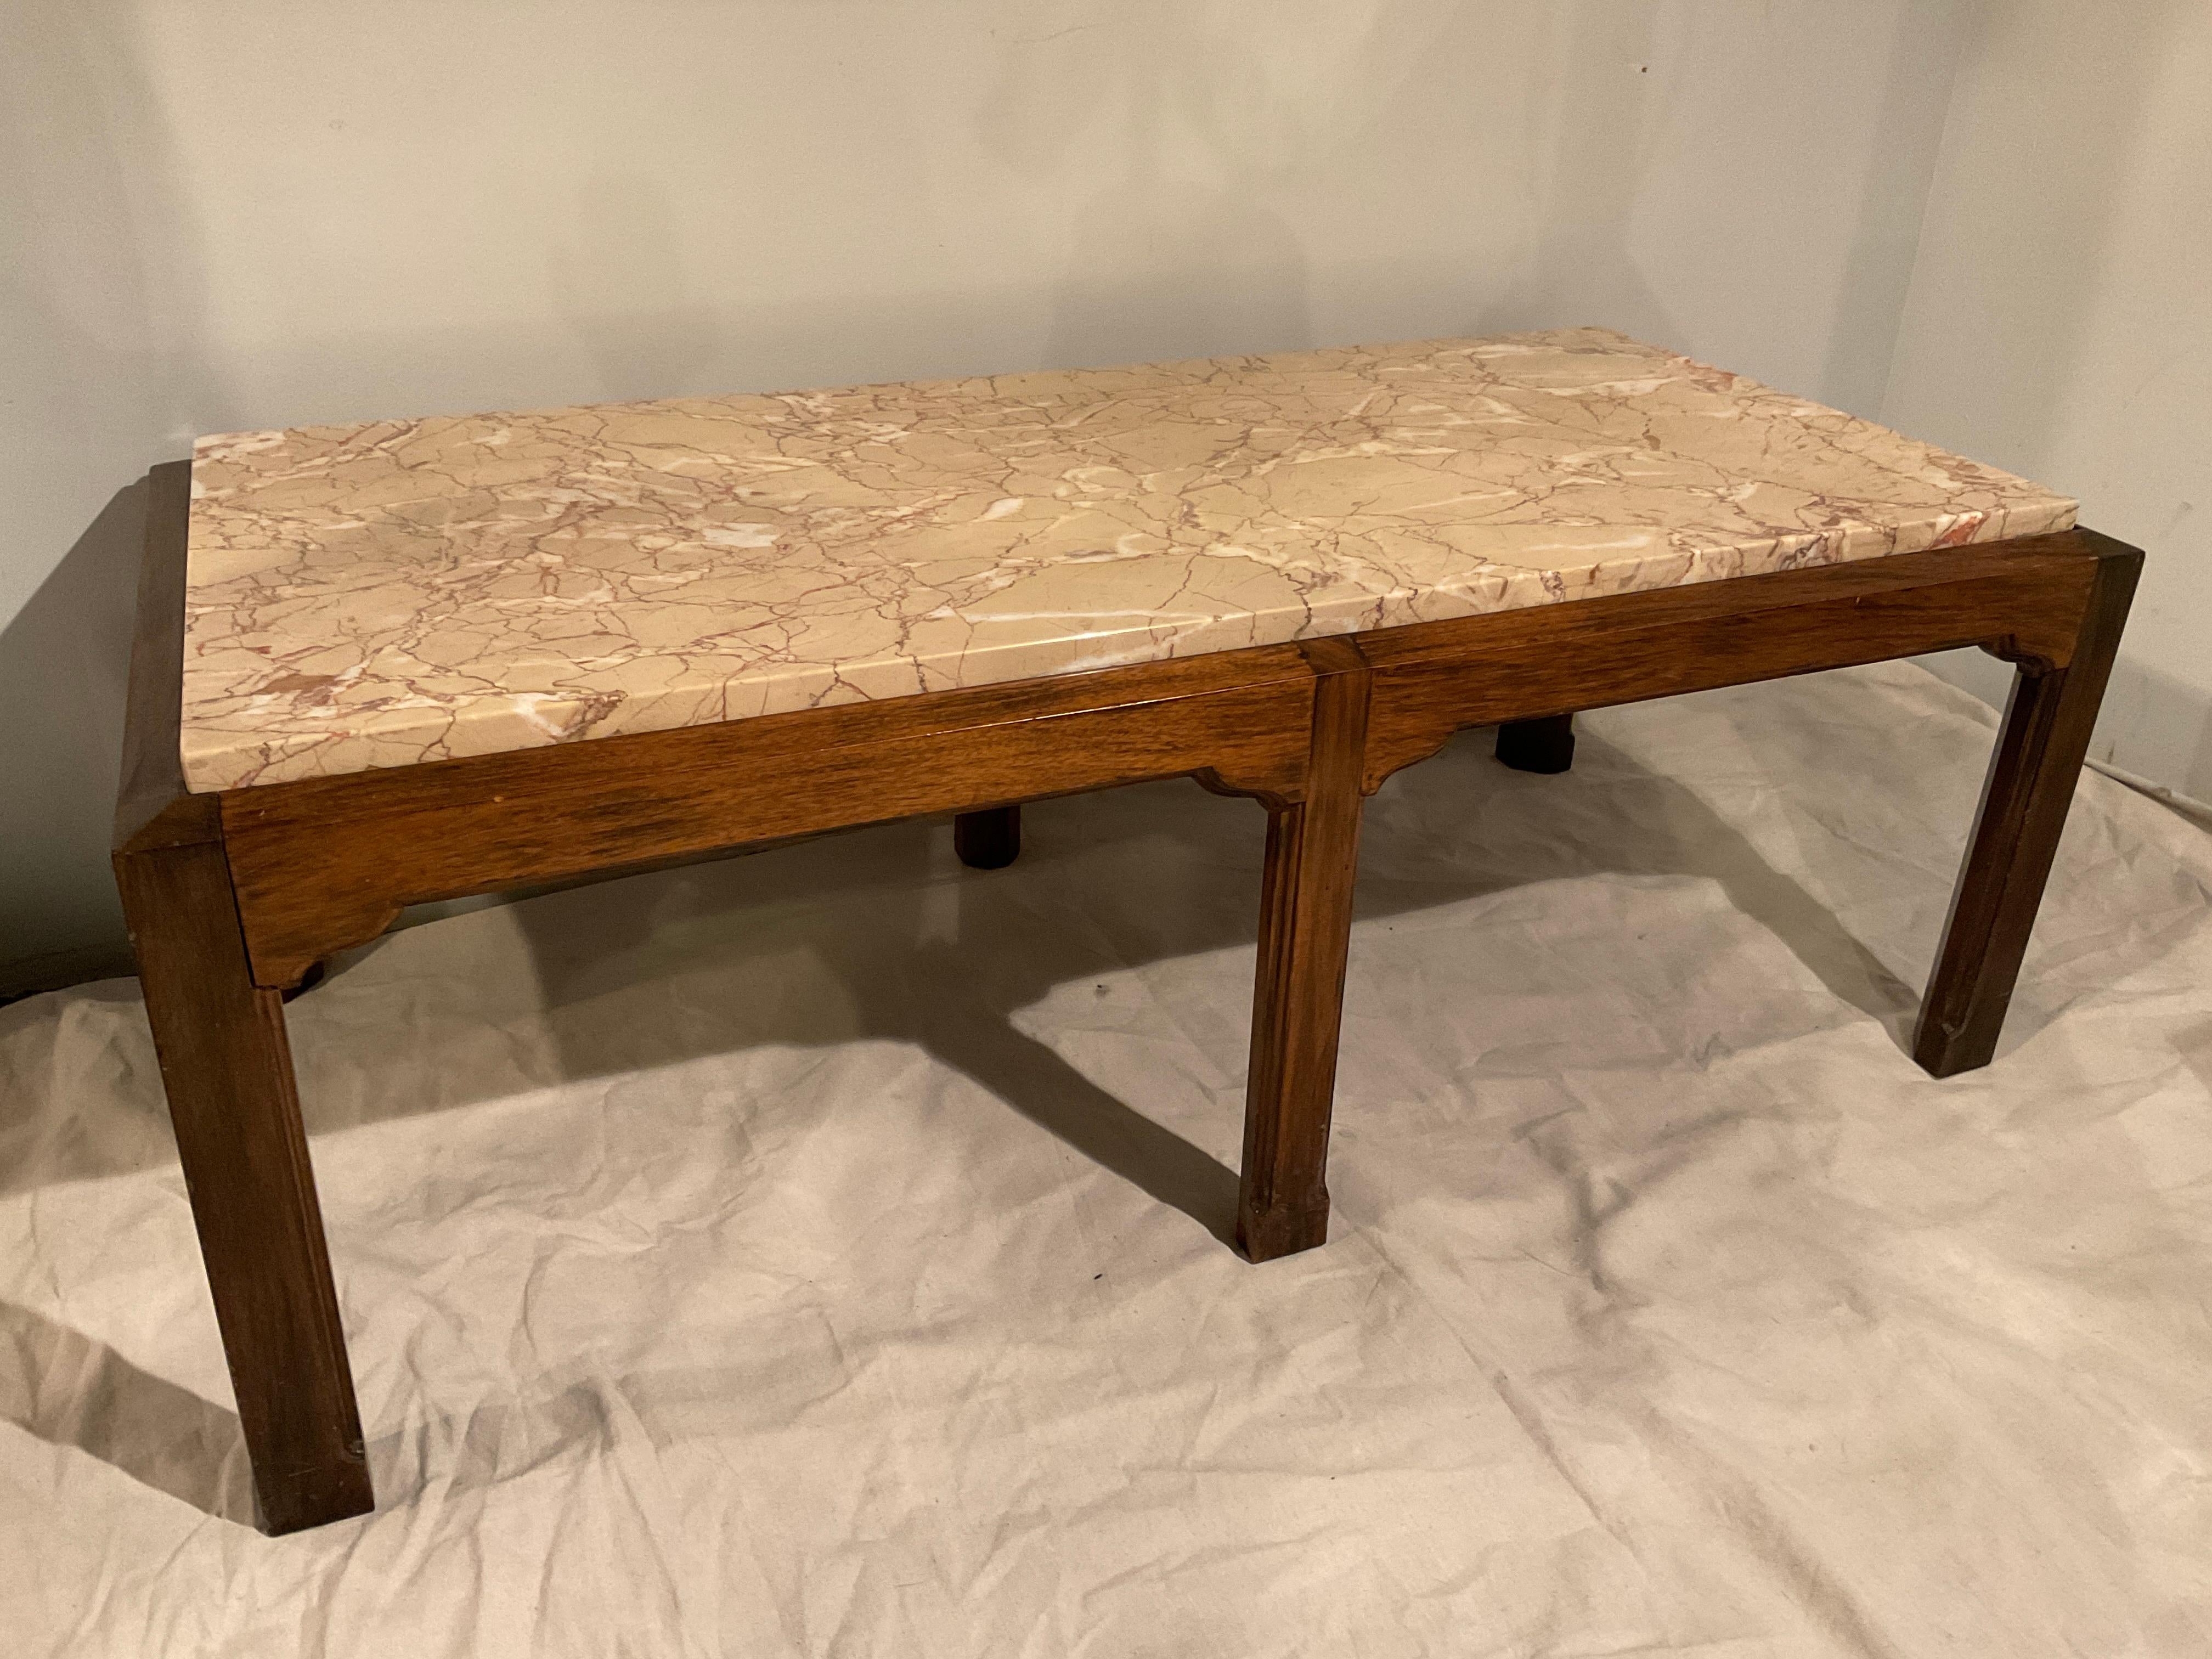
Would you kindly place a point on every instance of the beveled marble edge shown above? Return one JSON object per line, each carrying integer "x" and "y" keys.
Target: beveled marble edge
{"x": 217, "y": 758}
{"x": 404, "y": 738}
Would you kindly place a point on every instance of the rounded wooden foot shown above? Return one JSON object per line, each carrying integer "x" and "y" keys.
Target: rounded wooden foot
{"x": 1545, "y": 745}
{"x": 990, "y": 839}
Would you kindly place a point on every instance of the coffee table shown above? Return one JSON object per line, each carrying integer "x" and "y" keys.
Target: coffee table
{"x": 408, "y": 660}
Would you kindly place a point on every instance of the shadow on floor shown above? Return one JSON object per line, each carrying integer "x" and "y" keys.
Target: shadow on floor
{"x": 923, "y": 952}
{"x": 986, "y": 954}
{"x": 71, "y": 1389}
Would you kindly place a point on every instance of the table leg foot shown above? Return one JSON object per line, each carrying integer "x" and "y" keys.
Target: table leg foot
{"x": 2040, "y": 750}
{"x": 990, "y": 839}
{"x": 227, "y": 1065}
{"x": 1305, "y": 932}
{"x": 1262, "y": 1235}
{"x": 1544, "y": 745}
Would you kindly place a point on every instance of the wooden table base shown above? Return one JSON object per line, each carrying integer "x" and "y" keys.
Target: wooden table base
{"x": 232, "y": 898}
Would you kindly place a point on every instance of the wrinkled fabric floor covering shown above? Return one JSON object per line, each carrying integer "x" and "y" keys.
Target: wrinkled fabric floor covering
{"x": 818, "y": 1252}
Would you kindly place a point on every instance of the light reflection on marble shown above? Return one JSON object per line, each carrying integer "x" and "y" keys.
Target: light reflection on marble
{"x": 405, "y": 590}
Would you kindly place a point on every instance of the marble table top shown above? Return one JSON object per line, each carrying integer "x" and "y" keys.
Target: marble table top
{"x": 405, "y": 590}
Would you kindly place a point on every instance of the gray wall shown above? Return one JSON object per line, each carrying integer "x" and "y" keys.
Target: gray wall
{"x": 2060, "y": 323}
{"x": 253, "y": 214}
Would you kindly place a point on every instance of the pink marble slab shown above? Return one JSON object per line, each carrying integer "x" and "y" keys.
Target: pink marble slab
{"x": 405, "y": 590}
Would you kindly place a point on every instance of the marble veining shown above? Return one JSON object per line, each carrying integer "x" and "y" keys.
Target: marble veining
{"x": 404, "y": 591}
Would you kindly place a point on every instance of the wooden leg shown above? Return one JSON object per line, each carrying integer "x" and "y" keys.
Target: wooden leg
{"x": 1544, "y": 745}
{"x": 227, "y": 1068}
{"x": 990, "y": 839}
{"x": 1305, "y": 930}
{"x": 2031, "y": 780}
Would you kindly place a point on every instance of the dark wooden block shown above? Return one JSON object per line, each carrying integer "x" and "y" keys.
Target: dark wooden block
{"x": 1544, "y": 745}
{"x": 990, "y": 839}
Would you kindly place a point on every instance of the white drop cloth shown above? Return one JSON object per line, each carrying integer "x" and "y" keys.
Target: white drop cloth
{"x": 815, "y": 1253}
